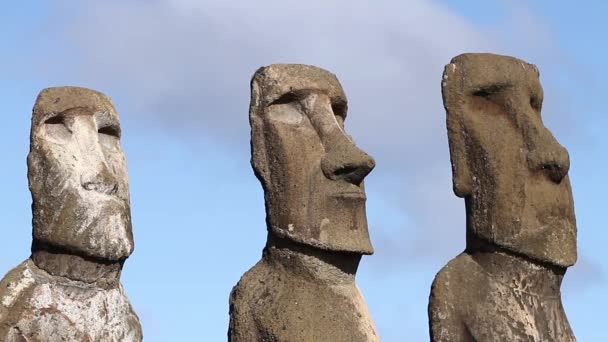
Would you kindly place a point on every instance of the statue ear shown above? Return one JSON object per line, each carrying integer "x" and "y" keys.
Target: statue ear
{"x": 259, "y": 158}
{"x": 462, "y": 178}
{"x": 453, "y": 102}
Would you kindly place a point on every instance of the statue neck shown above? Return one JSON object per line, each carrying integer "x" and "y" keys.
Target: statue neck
{"x": 311, "y": 263}
{"x": 60, "y": 263}
{"x": 518, "y": 272}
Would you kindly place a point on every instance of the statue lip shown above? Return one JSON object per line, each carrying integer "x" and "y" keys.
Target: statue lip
{"x": 351, "y": 195}
{"x": 106, "y": 189}
{"x": 102, "y": 196}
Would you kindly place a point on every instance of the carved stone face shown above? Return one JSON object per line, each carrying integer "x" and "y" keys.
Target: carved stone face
{"x": 506, "y": 164}
{"x": 311, "y": 170}
{"x": 78, "y": 176}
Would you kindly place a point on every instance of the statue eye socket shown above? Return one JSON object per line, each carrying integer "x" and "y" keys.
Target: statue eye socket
{"x": 56, "y": 129}
{"x": 109, "y": 137}
{"x": 535, "y": 103}
{"x": 339, "y": 109}
{"x": 55, "y": 120}
{"x": 113, "y": 131}
{"x": 489, "y": 90}
{"x": 287, "y": 98}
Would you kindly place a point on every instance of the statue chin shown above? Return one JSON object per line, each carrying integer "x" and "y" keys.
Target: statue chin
{"x": 104, "y": 233}
{"x": 553, "y": 244}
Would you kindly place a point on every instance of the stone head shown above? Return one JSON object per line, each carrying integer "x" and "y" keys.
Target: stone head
{"x": 311, "y": 170}
{"x": 77, "y": 175}
{"x": 509, "y": 168}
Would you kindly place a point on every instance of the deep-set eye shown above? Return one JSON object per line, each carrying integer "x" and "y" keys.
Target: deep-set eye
{"x": 55, "y": 120}
{"x": 109, "y": 137}
{"x": 56, "y": 130}
{"x": 110, "y": 130}
{"x": 285, "y": 114}
{"x": 339, "y": 108}
{"x": 535, "y": 103}
{"x": 486, "y": 92}
{"x": 287, "y": 98}
{"x": 490, "y": 99}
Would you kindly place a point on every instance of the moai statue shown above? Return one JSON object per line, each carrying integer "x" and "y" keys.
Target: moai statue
{"x": 521, "y": 230}
{"x": 69, "y": 289}
{"x": 303, "y": 288}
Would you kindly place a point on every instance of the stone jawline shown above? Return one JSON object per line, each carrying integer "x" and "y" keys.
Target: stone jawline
{"x": 477, "y": 244}
{"x": 61, "y": 262}
{"x": 346, "y": 262}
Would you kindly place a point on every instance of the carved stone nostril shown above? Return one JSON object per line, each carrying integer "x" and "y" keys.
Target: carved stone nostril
{"x": 114, "y": 189}
{"x": 89, "y": 186}
{"x": 555, "y": 171}
{"x": 551, "y": 167}
{"x": 110, "y": 189}
{"x": 345, "y": 170}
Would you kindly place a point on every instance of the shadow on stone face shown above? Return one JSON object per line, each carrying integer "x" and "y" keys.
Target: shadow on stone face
{"x": 69, "y": 289}
{"x": 303, "y": 288}
{"x": 521, "y": 228}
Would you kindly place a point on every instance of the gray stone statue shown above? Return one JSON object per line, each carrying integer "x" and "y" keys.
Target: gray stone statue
{"x": 303, "y": 288}
{"x": 69, "y": 289}
{"x": 521, "y": 229}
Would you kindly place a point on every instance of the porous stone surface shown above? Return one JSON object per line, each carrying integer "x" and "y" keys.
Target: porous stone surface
{"x": 69, "y": 289}
{"x": 521, "y": 228}
{"x": 303, "y": 288}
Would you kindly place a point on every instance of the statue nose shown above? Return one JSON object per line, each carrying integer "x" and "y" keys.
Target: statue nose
{"x": 343, "y": 160}
{"x": 347, "y": 162}
{"x": 556, "y": 171}
{"x": 548, "y": 156}
{"x": 101, "y": 181}
{"x": 95, "y": 175}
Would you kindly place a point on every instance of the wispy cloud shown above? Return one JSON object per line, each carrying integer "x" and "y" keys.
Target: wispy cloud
{"x": 183, "y": 67}
{"x": 186, "y": 65}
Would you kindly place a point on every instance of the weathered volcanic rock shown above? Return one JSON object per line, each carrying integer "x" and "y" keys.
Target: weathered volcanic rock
{"x": 521, "y": 228}
{"x": 69, "y": 289}
{"x": 312, "y": 174}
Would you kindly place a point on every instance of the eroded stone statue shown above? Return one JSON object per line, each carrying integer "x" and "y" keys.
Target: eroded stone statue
{"x": 69, "y": 289}
{"x": 521, "y": 229}
{"x": 303, "y": 288}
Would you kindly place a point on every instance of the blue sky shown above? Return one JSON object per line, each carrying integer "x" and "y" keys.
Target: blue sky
{"x": 178, "y": 72}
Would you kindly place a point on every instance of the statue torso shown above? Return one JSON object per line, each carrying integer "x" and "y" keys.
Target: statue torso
{"x": 34, "y": 306}
{"x": 287, "y": 308}
{"x": 489, "y": 309}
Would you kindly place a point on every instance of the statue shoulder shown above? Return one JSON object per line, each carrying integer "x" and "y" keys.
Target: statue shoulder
{"x": 14, "y": 290}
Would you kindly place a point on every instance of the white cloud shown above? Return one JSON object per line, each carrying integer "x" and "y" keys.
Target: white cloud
{"x": 186, "y": 65}
{"x": 189, "y": 62}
